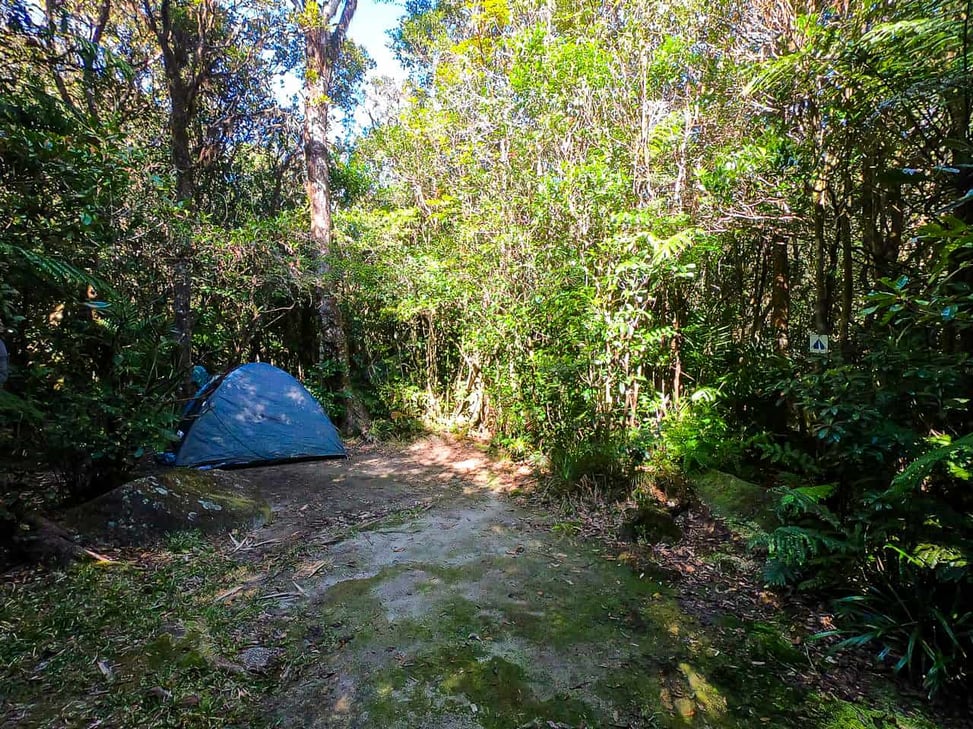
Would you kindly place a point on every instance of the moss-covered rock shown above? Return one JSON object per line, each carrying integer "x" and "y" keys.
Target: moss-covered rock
{"x": 651, "y": 523}
{"x": 746, "y": 507}
{"x": 145, "y": 510}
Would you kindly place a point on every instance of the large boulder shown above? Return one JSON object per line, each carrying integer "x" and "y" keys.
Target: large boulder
{"x": 746, "y": 508}
{"x": 147, "y": 509}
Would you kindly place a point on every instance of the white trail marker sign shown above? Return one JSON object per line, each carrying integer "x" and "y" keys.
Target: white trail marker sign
{"x": 819, "y": 343}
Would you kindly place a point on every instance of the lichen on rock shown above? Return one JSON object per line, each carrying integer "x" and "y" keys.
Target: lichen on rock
{"x": 146, "y": 509}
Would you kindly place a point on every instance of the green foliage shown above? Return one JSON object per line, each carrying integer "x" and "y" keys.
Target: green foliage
{"x": 316, "y": 381}
{"x": 948, "y": 460}
{"x": 812, "y": 548}
{"x": 936, "y": 302}
{"x": 255, "y": 288}
{"x": 102, "y": 419}
{"x": 784, "y": 456}
{"x": 604, "y": 465}
{"x": 90, "y": 379}
{"x": 916, "y": 609}
{"x": 599, "y": 235}
{"x": 347, "y": 86}
{"x": 918, "y": 583}
{"x": 857, "y": 431}
{"x": 696, "y": 436}
{"x": 902, "y": 556}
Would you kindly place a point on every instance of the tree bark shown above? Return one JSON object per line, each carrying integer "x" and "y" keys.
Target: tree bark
{"x": 821, "y": 303}
{"x": 187, "y": 58}
{"x": 847, "y": 279}
{"x": 31, "y": 538}
{"x": 182, "y": 280}
{"x": 780, "y": 296}
{"x": 869, "y": 221}
{"x": 675, "y": 342}
{"x": 322, "y": 44}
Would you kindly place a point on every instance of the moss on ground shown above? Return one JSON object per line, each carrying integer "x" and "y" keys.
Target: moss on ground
{"x": 885, "y": 712}
{"x": 602, "y": 647}
{"x": 746, "y": 507}
{"x": 556, "y": 633}
{"x": 468, "y": 680}
{"x": 126, "y": 645}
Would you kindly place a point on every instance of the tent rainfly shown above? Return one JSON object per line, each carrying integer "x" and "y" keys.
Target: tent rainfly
{"x": 255, "y": 414}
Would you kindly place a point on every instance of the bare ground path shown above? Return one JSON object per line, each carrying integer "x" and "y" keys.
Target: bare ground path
{"x": 418, "y": 586}
{"x": 408, "y": 589}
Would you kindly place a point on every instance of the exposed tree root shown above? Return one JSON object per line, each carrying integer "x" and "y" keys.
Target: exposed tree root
{"x": 33, "y": 538}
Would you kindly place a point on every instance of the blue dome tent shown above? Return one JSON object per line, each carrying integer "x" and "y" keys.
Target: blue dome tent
{"x": 254, "y": 414}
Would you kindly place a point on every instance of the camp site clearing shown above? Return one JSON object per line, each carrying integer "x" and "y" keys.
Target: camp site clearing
{"x": 413, "y": 586}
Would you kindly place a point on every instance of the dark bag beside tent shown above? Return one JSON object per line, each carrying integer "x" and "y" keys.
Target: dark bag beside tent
{"x": 255, "y": 414}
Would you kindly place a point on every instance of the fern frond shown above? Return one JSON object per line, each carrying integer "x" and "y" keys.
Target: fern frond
{"x": 913, "y": 476}
{"x": 53, "y": 270}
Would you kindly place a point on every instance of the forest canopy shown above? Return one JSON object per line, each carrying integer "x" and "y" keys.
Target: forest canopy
{"x": 604, "y": 235}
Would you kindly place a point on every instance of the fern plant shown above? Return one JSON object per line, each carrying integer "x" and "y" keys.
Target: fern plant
{"x": 917, "y": 606}
{"x": 784, "y": 455}
{"x": 812, "y": 548}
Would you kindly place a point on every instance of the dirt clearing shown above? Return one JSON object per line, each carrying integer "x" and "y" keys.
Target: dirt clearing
{"x": 431, "y": 598}
{"x": 408, "y": 586}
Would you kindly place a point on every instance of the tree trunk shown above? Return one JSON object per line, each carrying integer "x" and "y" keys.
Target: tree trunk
{"x": 780, "y": 296}
{"x": 182, "y": 283}
{"x": 757, "y": 317}
{"x": 847, "y": 279}
{"x": 29, "y": 537}
{"x": 322, "y": 46}
{"x": 869, "y": 223}
{"x": 675, "y": 343}
{"x": 822, "y": 299}
{"x": 333, "y": 345}
{"x": 820, "y": 284}
{"x": 187, "y": 59}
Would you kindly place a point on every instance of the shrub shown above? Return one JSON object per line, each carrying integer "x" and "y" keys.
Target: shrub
{"x": 105, "y": 388}
{"x": 695, "y": 436}
{"x": 917, "y": 609}
{"x": 604, "y": 463}
{"x": 900, "y": 558}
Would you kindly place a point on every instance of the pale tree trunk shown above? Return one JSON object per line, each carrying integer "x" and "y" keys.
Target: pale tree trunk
{"x": 822, "y": 306}
{"x": 322, "y": 44}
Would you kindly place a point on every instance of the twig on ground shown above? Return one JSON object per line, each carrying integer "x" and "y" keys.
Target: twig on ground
{"x": 99, "y": 558}
{"x": 280, "y": 595}
{"x": 228, "y": 593}
{"x": 262, "y": 544}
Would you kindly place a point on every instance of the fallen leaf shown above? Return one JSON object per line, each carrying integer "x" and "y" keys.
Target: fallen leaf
{"x": 157, "y": 692}
{"x": 105, "y": 670}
